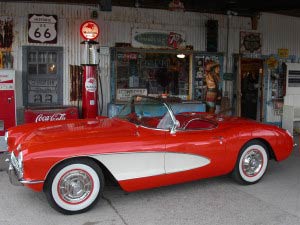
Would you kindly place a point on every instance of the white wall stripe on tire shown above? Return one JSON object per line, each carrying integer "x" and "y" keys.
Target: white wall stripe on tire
{"x": 263, "y": 153}
{"x": 90, "y": 198}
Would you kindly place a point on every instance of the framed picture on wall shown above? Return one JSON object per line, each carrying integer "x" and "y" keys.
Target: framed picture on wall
{"x": 250, "y": 42}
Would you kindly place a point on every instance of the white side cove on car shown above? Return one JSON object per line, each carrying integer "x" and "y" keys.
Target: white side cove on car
{"x": 132, "y": 165}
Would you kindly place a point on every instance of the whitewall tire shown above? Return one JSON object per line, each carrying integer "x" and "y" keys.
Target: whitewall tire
{"x": 252, "y": 163}
{"x": 74, "y": 186}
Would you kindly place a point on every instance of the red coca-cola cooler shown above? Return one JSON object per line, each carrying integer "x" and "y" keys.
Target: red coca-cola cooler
{"x": 45, "y": 114}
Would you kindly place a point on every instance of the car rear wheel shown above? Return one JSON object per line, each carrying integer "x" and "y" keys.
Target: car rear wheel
{"x": 74, "y": 186}
{"x": 252, "y": 163}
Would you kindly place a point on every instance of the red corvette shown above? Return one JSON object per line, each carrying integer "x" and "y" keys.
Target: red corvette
{"x": 149, "y": 144}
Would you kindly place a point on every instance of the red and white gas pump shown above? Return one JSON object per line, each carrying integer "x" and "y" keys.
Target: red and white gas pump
{"x": 7, "y": 100}
{"x": 89, "y": 60}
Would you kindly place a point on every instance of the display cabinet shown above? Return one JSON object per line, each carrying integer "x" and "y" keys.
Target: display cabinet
{"x": 151, "y": 72}
{"x": 42, "y": 76}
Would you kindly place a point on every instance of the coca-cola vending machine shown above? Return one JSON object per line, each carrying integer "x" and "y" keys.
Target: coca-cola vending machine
{"x": 7, "y": 100}
{"x": 46, "y": 114}
{"x": 89, "y": 30}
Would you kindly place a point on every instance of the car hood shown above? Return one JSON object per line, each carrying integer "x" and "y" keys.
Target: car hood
{"x": 67, "y": 131}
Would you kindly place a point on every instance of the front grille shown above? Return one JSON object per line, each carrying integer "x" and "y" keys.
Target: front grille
{"x": 15, "y": 164}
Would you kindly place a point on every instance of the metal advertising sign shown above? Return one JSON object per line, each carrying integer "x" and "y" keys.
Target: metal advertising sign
{"x": 42, "y": 28}
{"x": 89, "y": 30}
{"x": 126, "y": 94}
{"x": 283, "y": 53}
{"x": 143, "y": 38}
{"x": 250, "y": 42}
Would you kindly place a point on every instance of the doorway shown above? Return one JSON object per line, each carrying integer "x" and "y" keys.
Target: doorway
{"x": 250, "y": 89}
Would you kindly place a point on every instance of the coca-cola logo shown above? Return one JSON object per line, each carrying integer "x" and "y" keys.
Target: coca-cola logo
{"x": 54, "y": 117}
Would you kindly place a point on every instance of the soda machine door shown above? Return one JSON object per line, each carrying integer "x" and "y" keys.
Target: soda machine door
{"x": 7, "y": 100}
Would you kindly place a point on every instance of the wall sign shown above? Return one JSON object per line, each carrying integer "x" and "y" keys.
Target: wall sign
{"x": 250, "y": 42}
{"x": 89, "y": 30}
{"x": 143, "y": 38}
{"x": 283, "y": 53}
{"x": 42, "y": 28}
{"x": 126, "y": 94}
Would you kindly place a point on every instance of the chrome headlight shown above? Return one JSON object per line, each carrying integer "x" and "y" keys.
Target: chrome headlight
{"x": 17, "y": 163}
{"x": 20, "y": 160}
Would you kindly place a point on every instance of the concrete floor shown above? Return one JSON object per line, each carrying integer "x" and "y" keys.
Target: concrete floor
{"x": 274, "y": 200}
{"x": 2, "y": 143}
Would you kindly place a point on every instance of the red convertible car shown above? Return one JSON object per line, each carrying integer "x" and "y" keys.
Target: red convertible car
{"x": 149, "y": 144}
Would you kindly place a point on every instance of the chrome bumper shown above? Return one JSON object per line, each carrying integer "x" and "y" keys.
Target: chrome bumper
{"x": 13, "y": 176}
{"x": 6, "y": 165}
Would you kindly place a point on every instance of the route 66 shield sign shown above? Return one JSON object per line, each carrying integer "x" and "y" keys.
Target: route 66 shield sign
{"x": 42, "y": 28}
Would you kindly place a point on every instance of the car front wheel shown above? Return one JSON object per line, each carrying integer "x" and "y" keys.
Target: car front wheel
{"x": 74, "y": 186}
{"x": 252, "y": 163}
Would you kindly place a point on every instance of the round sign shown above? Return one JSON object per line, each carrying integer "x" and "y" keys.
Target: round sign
{"x": 89, "y": 30}
{"x": 91, "y": 84}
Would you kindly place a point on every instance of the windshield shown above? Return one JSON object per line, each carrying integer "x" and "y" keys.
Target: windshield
{"x": 148, "y": 112}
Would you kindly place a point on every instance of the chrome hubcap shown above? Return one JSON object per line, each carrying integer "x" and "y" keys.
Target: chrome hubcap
{"x": 252, "y": 163}
{"x": 75, "y": 186}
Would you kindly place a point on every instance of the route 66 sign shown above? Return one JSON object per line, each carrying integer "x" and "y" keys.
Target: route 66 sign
{"x": 42, "y": 28}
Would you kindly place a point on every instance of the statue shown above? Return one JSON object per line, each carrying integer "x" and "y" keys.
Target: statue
{"x": 212, "y": 81}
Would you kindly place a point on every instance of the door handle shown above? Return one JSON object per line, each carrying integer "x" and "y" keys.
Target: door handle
{"x": 9, "y": 100}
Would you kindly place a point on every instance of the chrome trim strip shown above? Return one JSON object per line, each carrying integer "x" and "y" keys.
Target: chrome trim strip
{"x": 194, "y": 119}
{"x": 19, "y": 182}
{"x": 22, "y": 181}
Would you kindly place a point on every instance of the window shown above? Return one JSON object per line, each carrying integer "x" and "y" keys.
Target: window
{"x": 152, "y": 73}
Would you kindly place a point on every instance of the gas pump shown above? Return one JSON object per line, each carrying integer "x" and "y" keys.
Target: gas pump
{"x": 7, "y": 100}
{"x": 89, "y": 62}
